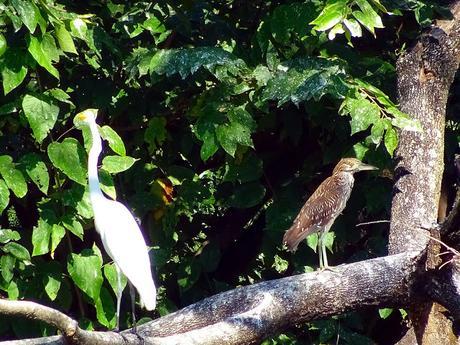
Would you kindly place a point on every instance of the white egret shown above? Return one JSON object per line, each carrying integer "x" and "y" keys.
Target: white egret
{"x": 120, "y": 234}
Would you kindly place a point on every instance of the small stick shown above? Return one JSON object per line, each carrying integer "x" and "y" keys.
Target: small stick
{"x": 373, "y": 222}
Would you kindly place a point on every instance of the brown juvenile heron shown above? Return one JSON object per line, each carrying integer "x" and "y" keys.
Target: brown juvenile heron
{"x": 324, "y": 206}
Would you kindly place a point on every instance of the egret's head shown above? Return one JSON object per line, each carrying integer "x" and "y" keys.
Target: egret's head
{"x": 352, "y": 165}
{"x": 85, "y": 117}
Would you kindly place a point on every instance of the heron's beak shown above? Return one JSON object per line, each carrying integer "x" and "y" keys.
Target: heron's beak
{"x": 364, "y": 166}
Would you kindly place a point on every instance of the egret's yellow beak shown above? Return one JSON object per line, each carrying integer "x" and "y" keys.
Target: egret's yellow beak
{"x": 85, "y": 114}
{"x": 81, "y": 116}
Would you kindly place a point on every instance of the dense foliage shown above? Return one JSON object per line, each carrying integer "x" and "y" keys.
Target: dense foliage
{"x": 219, "y": 118}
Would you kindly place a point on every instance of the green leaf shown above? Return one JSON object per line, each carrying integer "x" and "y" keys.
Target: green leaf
{"x": 232, "y": 134}
{"x": 52, "y": 280}
{"x": 188, "y": 61}
{"x": 353, "y": 26}
{"x": 3, "y": 44}
{"x": 105, "y": 309}
{"x": 114, "y": 140}
{"x": 280, "y": 265}
{"x": 69, "y": 157}
{"x": 41, "y": 234}
{"x": 65, "y": 39}
{"x": 44, "y": 50}
{"x": 110, "y": 273}
{"x": 106, "y": 184}
{"x": 13, "y": 68}
{"x": 57, "y": 234}
{"x": 367, "y": 16}
{"x": 85, "y": 271}
{"x": 7, "y": 263}
{"x": 73, "y": 225}
{"x": 377, "y": 132}
{"x": 333, "y": 13}
{"x": 41, "y": 114}
{"x": 312, "y": 241}
{"x": 303, "y": 79}
{"x": 391, "y": 140}
{"x": 7, "y": 235}
{"x": 363, "y": 113}
{"x": 117, "y": 164}
{"x": 28, "y": 12}
{"x": 4, "y": 196}
{"x": 17, "y": 250}
{"x": 79, "y": 29}
{"x": 156, "y": 133}
{"x": 12, "y": 176}
{"x": 37, "y": 171}
{"x": 247, "y": 195}
{"x": 406, "y": 123}
{"x": 385, "y": 312}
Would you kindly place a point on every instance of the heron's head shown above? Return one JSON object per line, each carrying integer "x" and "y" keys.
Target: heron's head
{"x": 352, "y": 165}
{"x": 88, "y": 115}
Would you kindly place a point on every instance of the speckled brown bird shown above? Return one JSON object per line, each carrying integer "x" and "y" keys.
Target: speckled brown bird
{"x": 324, "y": 206}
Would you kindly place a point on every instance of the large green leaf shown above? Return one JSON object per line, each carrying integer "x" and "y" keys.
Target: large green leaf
{"x": 65, "y": 39}
{"x": 41, "y": 234}
{"x": 12, "y": 176}
{"x": 7, "y": 263}
{"x": 306, "y": 78}
{"x": 368, "y": 17}
{"x": 333, "y": 13}
{"x": 232, "y": 134}
{"x": 41, "y": 113}
{"x": 28, "y": 12}
{"x": 363, "y": 113}
{"x": 105, "y": 309}
{"x": 18, "y": 251}
{"x": 69, "y": 157}
{"x": 52, "y": 279}
{"x": 13, "y": 69}
{"x": 85, "y": 271}
{"x": 37, "y": 171}
{"x": 110, "y": 272}
{"x": 7, "y": 235}
{"x": 73, "y": 225}
{"x": 3, "y": 45}
{"x": 44, "y": 51}
{"x": 114, "y": 140}
{"x": 116, "y": 164}
{"x": 188, "y": 61}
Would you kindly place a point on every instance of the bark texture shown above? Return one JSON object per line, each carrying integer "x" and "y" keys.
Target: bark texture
{"x": 425, "y": 74}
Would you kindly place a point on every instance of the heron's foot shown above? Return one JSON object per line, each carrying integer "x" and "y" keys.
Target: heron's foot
{"x": 328, "y": 268}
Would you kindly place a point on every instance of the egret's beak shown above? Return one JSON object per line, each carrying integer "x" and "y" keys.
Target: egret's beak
{"x": 86, "y": 113}
{"x": 364, "y": 166}
{"x": 81, "y": 116}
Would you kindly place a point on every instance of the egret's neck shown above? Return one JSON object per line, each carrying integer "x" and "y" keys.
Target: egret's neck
{"x": 96, "y": 148}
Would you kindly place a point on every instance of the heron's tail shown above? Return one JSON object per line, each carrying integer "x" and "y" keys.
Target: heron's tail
{"x": 294, "y": 236}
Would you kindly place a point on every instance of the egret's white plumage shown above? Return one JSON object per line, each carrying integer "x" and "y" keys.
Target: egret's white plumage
{"x": 119, "y": 231}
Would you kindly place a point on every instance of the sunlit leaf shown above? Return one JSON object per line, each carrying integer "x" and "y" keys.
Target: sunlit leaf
{"x": 17, "y": 250}
{"x": 69, "y": 157}
{"x": 12, "y": 176}
{"x": 117, "y": 164}
{"x": 4, "y": 196}
{"x": 114, "y": 140}
{"x": 43, "y": 50}
{"x": 85, "y": 271}
{"x": 65, "y": 39}
{"x": 41, "y": 114}
{"x": 334, "y": 12}
{"x": 37, "y": 170}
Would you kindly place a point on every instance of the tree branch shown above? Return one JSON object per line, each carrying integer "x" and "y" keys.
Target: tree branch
{"x": 249, "y": 314}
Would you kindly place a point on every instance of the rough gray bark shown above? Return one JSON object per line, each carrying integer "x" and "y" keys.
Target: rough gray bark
{"x": 425, "y": 74}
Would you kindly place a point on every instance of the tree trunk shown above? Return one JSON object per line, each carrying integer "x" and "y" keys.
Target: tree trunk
{"x": 425, "y": 74}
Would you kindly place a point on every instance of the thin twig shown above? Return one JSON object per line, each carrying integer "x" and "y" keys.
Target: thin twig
{"x": 373, "y": 222}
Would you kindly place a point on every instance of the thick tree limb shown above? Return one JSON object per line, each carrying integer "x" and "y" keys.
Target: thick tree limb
{"x": 249, "y": 314}
{"x": 425, "y": 74}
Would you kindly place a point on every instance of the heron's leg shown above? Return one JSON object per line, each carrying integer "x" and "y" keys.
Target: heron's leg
{"x": 119, "y": 291}
{"x": 324, "y": 252}
{"x": 133, "y": 305}
{"x": 318, "y": 248}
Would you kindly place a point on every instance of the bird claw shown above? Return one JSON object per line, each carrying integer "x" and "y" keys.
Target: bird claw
{"x": 328, "y": 268}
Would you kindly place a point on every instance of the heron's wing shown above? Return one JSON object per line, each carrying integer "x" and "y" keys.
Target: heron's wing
{"x": 319, "y": 211}
{"x": 123, "y": 241}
